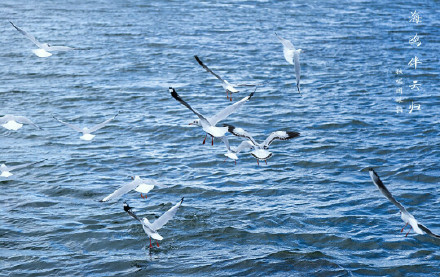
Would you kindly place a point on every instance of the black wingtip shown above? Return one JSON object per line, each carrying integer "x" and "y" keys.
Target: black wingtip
{"x": 293, "y": 134}
{"x": 174, "y": 94}
{"x": 181, "y": 200}
{"x": 127, "y": 207}
{"x": 198, "y": 60}
{"x": 230, "y": 127}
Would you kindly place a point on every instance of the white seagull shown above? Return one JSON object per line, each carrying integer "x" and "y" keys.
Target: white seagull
{"x": 230, "y": 88}
{"x": 260, "y": 150}
{"x": 87, "y": 133}
{"x": 208, "y": 124}
{"x": 152, "y": 228}
{"x": 290, "y": 54}
{"x": 44, "y": 49}
{"x": 232, "y": 152}
{"x": 13, "y": 122}
{"x": 138, "y": 184}
{"x": 6, "y": 170}
{"x": 404, "y": 214}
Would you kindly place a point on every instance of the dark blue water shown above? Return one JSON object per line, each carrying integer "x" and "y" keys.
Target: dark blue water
{"x": 312, "y": 210}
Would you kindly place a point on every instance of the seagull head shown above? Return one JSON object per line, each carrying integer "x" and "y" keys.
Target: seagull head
{"x": 196, "y": 122}
{"x": 3, "y": 167}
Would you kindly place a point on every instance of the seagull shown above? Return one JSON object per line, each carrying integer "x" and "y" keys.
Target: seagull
{"x": 6, "y": 170}
{"x": 87, "y": 133}
{"x": 137, "y": 184}
{"x": 404, "y": 214}
{"x": 290, "y": 54}
{"x": 13, "y": 122}
{"x": 230, "y": 88}
{"x": 208, "y": 124}
{"x": 260, "y": 151}
{"x": 44, "y": 49}
{"x": 232, "y": 152}
{"x": 151, "y": 228}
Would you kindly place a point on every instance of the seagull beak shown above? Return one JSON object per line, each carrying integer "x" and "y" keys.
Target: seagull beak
{"x": 132, "y": 177}
{"x": 191, "y": 123}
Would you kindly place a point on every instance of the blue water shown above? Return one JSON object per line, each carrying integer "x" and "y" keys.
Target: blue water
{"x": 312, "y": 210}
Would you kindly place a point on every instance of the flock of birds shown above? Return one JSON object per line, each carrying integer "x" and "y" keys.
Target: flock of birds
{"x": 208, "y": 124}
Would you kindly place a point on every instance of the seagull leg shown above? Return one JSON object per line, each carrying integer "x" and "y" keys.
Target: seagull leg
{"x": 408, "y": 231}
{"x": 227, "y": 95}
{"x": 225, "y": 160}
{"x": 404, "y": 227}
{"x": 157, "y": 243}
{"x": 265, "y": 161}
{"x": 142, "y": 196}
{"x": 212, "y": 142}
{"x": 204, "y": 139}
{"x": 151, "y": 246}
{"x": 235, "y": 162}
{"x": 258, "y": 163}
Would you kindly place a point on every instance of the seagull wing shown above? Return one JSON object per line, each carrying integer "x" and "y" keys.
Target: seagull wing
{"x": 297, "y": 70}
{"x": 244, "y": 145}
{"x": 29, "y": 36}
{"x": 121, "y": 191}
{"x": 161, "y": 221}
{"x": 246, "y": 85}
{"x": 101, "y": 125}
{"x": 207, "y": 68}
{"x": 385, "y": 191}
{"x": 74, "y": 127}
{"x": 23, "y": 119}
{"x": 226, "y": 142}
{"x": 288, "y": 49}
{"x": 286, "y": 43}
{"x": 239, "y": 132}
{"x": 178, "y": 98}
{"x": 229, "y": 110}
{"x": 281, "y": 135}
{"x": 426, "y": 230}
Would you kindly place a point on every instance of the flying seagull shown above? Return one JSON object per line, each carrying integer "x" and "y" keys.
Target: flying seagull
{"x": 290, "y": 54}
{"x": 13, "y": 122}
{"x": 230, "y": 88}
{"x": 152, "y": 228}
{"x": 260, "y": 150}
{"x": 208, "y": 124}
{"x": 232, "y": 152}
{"x": 138, "y": 184}
{"x": 87, "y": 133}
{"x": 44, "y": 49}
{"x": 6, "y": 170}
{"x": 404, "y": 214}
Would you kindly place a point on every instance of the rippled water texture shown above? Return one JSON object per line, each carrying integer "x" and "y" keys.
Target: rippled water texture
{"x": 312, "y": 210}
